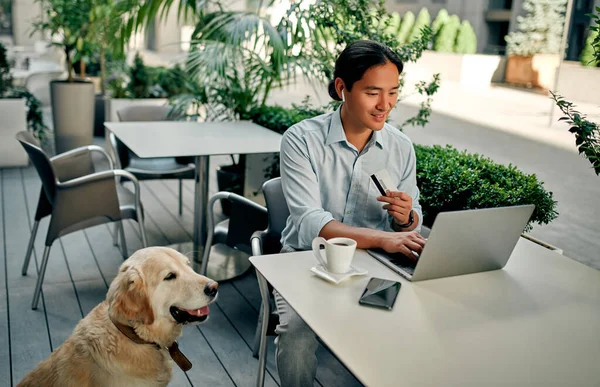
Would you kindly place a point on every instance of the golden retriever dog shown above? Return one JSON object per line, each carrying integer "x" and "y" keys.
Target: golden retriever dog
{"x": 125, "y": 340}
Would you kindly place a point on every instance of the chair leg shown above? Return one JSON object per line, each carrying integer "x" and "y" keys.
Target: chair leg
{"x": 116, "y": 235}
{"x": 257, "y": 336}
{"x": 180, "y": 196}
{"x": 123, "y": 242}
{"x": 262, "y": 356}
{"x": 30, "y": 248}
{"x": 40, "y": 280}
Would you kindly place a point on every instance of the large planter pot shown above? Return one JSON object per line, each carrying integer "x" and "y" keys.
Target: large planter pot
{"x": 72, "y": 114}
{"x": 532, "y": 71}
{"x": 14, "y": 119}
{"x": 99, "y": 115}
{"x": 115, "y": 104}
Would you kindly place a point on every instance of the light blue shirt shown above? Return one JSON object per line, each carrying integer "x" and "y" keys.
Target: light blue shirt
{"x": 325, "y": 178}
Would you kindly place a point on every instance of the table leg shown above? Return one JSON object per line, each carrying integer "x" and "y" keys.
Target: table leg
{"x": 200, "y": 203}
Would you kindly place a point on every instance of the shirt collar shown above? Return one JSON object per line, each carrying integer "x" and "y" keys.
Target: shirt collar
{"x": 337, "y": 134}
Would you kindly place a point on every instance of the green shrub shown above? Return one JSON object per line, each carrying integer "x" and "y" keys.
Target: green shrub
{"x": 587, "y": 54}
{"x": 441, "y": 19}
{"x": 423, "y": 19}
{"x": 446, "y": 38}
{"x": 466, "y": 40}
{"x": 450, "y": 180}
{"x": 393, "y": 27}
{"x": 408, "y": 21}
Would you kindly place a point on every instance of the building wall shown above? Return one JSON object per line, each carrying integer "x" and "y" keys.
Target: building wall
{"x": 23, "y": 14}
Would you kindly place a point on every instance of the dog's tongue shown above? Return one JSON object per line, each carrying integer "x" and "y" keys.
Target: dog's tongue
{"x": 199, "y": 312}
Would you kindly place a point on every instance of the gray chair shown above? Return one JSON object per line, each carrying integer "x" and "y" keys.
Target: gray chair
{"x": 77, "y": 197}
{"x": 150, "y": 168}
{"x": 268, "y": 242}
{"x": 232, "y": 236}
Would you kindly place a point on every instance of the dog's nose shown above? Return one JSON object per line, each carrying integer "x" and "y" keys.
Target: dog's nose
{"x": 211, "y": 288}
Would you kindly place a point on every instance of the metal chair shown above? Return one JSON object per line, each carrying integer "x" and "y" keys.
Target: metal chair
{"x": 232, "y": 236}
{"x": 268, "y": 242}
{"x": 150, "y": 168}
{"x": 77, "y": 197}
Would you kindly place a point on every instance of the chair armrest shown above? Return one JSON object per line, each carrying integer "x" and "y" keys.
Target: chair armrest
{"x": 256, "y": 243}
{"x": 83, "y": 150}
{"x": 97, "y": 176}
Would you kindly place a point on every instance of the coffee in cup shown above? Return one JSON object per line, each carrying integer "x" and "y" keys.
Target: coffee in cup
{"x": 338, "y": 253}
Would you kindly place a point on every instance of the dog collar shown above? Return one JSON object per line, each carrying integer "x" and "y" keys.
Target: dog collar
{"x": 177, "y": 356}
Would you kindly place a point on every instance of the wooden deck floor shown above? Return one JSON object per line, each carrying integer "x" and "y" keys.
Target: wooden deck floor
{"x": 82, "y": 265}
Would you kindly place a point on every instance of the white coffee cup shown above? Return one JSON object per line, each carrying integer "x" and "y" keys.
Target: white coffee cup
{"x": 338, "y": 253}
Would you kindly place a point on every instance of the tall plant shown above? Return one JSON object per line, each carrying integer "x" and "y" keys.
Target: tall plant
{"x": 540, "y": 31}
{"x": 423, "y": 19}
{"x": 35, "y": 122}
{"x": 587, "y": 133}
{"x": 466, "y": 40}
{"x": 67, "y": 22}
{"x": 352, "y": 20}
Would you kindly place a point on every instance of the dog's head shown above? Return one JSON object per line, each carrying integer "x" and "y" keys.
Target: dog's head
{"x": 158, "y": 284}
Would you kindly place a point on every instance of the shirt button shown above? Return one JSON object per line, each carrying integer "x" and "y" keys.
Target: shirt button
{"x": 348, "y": 212}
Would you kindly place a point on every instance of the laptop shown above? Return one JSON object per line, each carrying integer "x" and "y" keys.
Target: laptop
{"x": 463, "y": 242}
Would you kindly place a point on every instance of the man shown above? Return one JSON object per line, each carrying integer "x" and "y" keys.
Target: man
{"x": 326, "y": 163}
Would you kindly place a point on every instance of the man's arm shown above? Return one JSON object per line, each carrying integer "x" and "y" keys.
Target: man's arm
{"x": 365, "y": 238}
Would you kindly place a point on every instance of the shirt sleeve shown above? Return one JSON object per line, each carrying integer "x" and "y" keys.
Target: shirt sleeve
{"x": 301, "y": 189}
{"x": 408, "y": 184}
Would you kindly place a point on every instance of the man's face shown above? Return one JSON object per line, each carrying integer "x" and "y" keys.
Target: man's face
{"x": 373, "y": 96}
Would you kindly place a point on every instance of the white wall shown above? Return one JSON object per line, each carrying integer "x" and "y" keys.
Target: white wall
{"x": 24, "y": 12}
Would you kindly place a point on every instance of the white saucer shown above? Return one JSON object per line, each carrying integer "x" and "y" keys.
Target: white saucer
{"x": 335, "y": 278}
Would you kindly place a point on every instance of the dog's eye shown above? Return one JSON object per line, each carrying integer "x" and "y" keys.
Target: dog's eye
{"x": 170, "y": 276}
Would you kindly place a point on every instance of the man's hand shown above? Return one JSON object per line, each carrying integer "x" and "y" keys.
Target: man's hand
{"x": 398, "y": 205}
{"x": 403, "y": 242}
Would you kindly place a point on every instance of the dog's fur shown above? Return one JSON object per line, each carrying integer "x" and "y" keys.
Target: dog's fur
{"x": 98, "y": 354}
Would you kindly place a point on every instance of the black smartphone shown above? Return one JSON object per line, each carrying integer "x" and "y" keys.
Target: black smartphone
{"x": 380, "y": 293}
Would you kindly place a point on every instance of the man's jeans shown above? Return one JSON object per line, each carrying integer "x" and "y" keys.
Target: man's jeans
{"x": 296, "y": 345}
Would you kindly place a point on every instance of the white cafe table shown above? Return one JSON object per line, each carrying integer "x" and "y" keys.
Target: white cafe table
{"x": 200, "y": 140}
{"x": 534, "y": 323}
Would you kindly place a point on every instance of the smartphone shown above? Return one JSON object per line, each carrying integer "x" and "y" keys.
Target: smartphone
{"x": 380, "y": 293}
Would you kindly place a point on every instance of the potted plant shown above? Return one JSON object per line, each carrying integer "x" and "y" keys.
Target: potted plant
{"x": 19, "y": 110}
{"x": 67, "y": 22}
{"x": 533, "y": 50}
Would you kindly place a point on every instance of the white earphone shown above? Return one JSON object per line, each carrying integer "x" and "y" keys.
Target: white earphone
{"x": 343, "y": 96}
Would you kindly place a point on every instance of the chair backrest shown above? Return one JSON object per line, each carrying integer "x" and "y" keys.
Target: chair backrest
{"x": 278, "y": 213}
{"x": 41, "y": 162}
{"x": 146, "y": 113}
{"x": 246, "y": 217}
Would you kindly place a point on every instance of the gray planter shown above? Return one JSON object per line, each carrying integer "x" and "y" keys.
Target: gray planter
{"x": 72, "y": 114}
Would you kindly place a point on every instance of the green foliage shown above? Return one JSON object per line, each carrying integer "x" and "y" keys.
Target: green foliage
{"x": 596, "y": 29}
{"x": 587, "y": 57}
{"x": 139, "y": 79}
{"x": 69, "y": 21}
{"x": 408, "y": 22}
{"x": 423, "y": 19}
{"x": 441, "y": 19}
{"x": 450, "y": 180}
{"x": 395, "y": 21}
{"x": 35, "y": 121}
{"x": 466, "y": 40}
{"x": 445, "y": 40}
{"x": 587, "y": 133}
{"x": 540, "y": 31}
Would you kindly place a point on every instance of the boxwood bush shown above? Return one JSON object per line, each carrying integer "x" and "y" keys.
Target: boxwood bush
{"x": 448, "y": 179}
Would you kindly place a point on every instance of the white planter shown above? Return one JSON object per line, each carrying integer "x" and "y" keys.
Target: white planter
{"x": 470, "y": 70}
{"x": 112, "y": 105}
{"x": 14, "y": 119}
{"x": 579, "y": 83}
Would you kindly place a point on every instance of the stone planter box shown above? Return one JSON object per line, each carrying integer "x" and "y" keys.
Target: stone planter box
{"x": 14, "y": 119}
{"x": 112, "y": 105}
{"x": 532, "y": 71}
{"x": 579, "y": 83}
{"x": 469, "y": 70}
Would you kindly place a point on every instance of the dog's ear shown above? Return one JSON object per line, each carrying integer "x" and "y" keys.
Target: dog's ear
{"x": 128, "y": 297}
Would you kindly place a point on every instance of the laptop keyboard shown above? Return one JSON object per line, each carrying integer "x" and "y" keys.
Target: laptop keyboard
{"x": 400, "y": 260}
